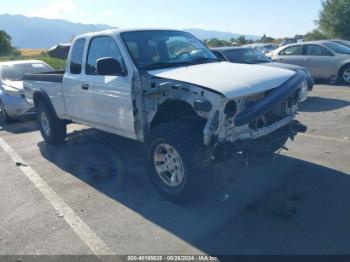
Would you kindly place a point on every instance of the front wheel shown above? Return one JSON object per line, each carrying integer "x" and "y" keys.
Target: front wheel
{"x": 52, "y": 129}
{"x": 173, "y": 161}
{"x": 345, "y": 75}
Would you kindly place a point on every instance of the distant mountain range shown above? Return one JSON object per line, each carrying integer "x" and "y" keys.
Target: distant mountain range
{"x": 208, "y": 34}
{"x": 34, "y": 32}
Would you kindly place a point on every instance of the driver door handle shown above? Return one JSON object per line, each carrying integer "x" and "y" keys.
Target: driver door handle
{"x": 85, "y": 86}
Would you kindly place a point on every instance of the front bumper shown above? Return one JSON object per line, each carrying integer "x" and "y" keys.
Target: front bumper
{"x": 16, "y": 105}
{"x": 261, "y": 132}
{"x": 310, "y": 82}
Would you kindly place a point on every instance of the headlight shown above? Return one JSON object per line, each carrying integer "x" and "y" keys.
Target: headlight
{"x": 231, "y": 109}
{"x": 11, "y": 91}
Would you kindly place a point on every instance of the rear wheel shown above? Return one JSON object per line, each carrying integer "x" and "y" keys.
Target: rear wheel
{"x": 345, "y": 75}
{"x": 52, "y": 129}
{"x": 173, "y": 160}
{"x": 4, "y": 119}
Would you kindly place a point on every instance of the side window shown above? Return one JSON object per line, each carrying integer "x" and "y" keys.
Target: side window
{"x": 315, "y": 50}
{"x": 76, "y": 60}
{"x": 102, "y": 47}
{"x": 292, "y": 50}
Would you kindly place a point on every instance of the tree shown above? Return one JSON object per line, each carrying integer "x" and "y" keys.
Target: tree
{"x": 315, "y": 35}
{"x": 214, "y": 42}
{"x": 5, "y": 44}
{"x": 334, "y": 19}
{"x": 266, "y": 39}
{"x": 241, "y": 40}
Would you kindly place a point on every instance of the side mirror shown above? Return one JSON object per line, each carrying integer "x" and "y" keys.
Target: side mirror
{"x": 109, "y": 67}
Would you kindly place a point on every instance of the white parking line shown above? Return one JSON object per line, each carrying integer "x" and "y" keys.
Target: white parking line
{"x": 96, "y": 245}
{"x": 326, "y": 138}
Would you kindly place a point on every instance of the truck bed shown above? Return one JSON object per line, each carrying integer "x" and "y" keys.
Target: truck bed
{"x": 55, "y": 77}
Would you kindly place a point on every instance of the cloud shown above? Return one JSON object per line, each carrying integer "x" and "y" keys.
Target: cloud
{"x": 57, "y": 9}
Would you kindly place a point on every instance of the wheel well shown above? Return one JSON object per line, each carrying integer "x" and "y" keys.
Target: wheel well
{"x": 177, "y": 110}
{"x": 40, "y": 97}
{"x": 37, "y": 98}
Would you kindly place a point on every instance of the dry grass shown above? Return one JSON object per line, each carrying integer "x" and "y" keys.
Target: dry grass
{"x": 31, "y": 52}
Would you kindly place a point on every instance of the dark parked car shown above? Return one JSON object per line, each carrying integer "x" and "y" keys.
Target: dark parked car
{"x": 244, "y": 55}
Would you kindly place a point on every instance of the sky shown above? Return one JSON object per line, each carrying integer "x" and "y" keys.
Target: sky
{"x": 277, "y": 18}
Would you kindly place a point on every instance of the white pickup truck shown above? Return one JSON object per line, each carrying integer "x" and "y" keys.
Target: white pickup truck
{"x": 166, "y": 89}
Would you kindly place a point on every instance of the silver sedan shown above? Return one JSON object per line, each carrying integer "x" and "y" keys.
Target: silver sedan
{"x": 324, "y": 59}
{"x": 12, "y": 99}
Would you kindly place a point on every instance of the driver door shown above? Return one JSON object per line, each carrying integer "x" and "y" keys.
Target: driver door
{"x": 110, "y": 96}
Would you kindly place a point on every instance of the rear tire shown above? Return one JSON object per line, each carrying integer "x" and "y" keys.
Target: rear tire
{"x": 344, "y": 75}
{"x": 51, "y": 128}
{"x": 173, "y": 160}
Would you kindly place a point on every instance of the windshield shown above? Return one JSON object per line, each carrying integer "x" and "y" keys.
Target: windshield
{"x": 338, "y": 48}
{"x": 246, "y": 56}
{"x": 16, "y": 72}
{"x": 161, "y": 49}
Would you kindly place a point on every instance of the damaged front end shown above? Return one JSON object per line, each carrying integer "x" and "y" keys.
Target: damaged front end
{"x": 261, "y": 122}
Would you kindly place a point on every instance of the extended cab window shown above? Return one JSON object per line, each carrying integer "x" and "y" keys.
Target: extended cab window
{"x": 77, "y": 57}
{"x": 102, "y": 47}
{"x": 315, "y": 50}
{"x": 292, "y": 50}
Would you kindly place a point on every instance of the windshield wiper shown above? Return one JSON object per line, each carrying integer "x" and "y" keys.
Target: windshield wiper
{"x": 202, "y": 60}
{"x": 258, "y": 61}
{"x": 164, "y": 65}
{"x": 196, "y": 61}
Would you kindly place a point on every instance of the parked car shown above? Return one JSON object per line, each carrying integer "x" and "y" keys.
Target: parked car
{"x": 263, "y": 48}
{"x": 245, "y": 55}
{"x": 340, "y": 41}
{"x": 12, "y": 102}
{"x": 324, "y": 59}
{"x": 166, "y": 89}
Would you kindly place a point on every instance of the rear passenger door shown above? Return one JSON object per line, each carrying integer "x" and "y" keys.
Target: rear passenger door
{"x": 319, "y": 60}
{"x": 77, "y": 100}
{"x": 109, "y": 96}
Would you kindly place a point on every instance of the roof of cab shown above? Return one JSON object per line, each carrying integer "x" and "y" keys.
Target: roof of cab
{"x": 119, "y": 31}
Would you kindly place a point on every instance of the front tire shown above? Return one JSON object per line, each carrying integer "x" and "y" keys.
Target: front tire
{"x": 51, "y": 128}
{"x": 345, "y": 75}
{"x": 173, "y": 160}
